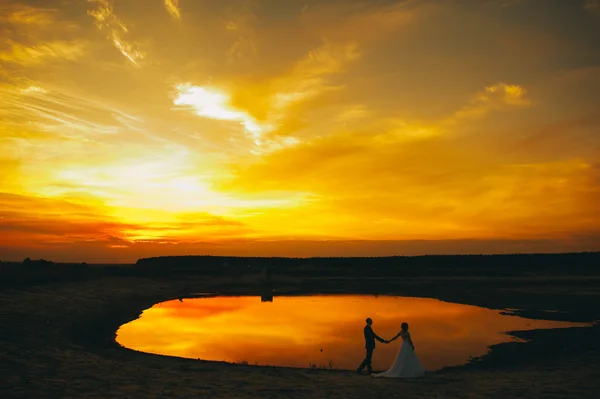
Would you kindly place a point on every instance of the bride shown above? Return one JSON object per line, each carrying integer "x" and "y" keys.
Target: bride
{"x": 406, "y": 364}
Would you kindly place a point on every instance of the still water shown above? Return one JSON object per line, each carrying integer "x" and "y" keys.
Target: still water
{"x": 325, "y": 330}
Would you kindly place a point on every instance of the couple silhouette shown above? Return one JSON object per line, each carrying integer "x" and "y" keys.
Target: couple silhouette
{"x": 406, "y": 363}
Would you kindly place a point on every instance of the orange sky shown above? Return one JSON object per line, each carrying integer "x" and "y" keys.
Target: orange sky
{"x": 132, "y": 128}
{"x": 291, "y": 331}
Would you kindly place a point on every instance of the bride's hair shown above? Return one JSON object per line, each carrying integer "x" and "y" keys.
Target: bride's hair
{"x": 404, "y": 326}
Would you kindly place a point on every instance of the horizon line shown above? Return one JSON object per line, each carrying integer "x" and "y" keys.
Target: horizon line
{"x": 315, "y": 257}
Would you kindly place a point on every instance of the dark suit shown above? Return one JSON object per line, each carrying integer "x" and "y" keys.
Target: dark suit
{"x": 370, "y": 338}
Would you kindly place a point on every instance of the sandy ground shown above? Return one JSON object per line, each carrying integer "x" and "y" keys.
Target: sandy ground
{"x": 57, "y": 341}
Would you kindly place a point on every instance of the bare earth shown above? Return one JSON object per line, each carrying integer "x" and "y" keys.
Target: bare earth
{"x": 57, "y": 341}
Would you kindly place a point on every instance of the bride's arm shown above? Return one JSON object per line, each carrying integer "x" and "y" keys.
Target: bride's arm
{"x": 396, "y": 337}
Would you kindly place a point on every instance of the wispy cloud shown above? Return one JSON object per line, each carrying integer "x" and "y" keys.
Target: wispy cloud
{"x": 492, "y": 98}
{"x": 22, "y": 14}
{"x": 36, "y": 35}
{"x": 358, "y": 21}
{"x": 59, "y": 114}
{"x": 239, "y": 25}
{"x": 107, "y": 21}
{"x": 352, "y": 114}
{"x": 172, "y": 7}
{"x": 309, "y": 77}
{"x": 28, "y": 55}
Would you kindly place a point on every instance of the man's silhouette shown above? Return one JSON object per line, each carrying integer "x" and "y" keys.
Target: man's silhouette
{"x": 370, "y": 338}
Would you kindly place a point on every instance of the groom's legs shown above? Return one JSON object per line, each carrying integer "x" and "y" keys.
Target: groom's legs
{"x": 367, "y": 362}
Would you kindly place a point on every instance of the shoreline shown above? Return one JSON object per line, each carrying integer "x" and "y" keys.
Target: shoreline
{"x": 82, "y": 319}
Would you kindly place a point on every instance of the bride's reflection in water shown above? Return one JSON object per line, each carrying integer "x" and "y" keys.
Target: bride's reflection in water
{"x": 326, "y": 331}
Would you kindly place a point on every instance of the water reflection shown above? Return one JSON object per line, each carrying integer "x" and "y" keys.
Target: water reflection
{"x": 266, "y": 298}
{"x": 320, "y": 330}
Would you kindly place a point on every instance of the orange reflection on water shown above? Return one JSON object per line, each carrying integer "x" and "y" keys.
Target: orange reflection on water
{"x": 303, "y": 330}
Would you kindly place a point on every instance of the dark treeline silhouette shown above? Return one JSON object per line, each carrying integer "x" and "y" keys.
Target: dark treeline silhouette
{"x": 40, "y": 271}
{"x": 263, "y": 268}
{"x": 428, "y": 265}
{"x": 37, "y": 263}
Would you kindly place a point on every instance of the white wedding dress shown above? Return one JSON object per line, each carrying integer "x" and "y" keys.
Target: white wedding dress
{"x": 406, "y": 364}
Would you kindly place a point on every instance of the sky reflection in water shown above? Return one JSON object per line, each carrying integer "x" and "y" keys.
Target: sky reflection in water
{"x": 291, "y": 331}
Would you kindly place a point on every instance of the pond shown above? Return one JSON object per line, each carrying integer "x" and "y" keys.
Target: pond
{"x": 324, "y": 331}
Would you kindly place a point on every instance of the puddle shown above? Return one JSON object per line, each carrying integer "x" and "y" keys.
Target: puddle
{"x": 324, "y": 331}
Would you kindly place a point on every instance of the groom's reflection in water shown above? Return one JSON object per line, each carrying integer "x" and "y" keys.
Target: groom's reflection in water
{"x": 291, "y": 331}
{"x": 370, "y": 338}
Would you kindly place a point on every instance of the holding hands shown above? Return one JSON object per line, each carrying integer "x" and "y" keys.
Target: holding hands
{"x": 387, "y": 341}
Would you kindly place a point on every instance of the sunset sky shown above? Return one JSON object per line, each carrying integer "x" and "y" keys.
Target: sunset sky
{"x": 134, "y": 128}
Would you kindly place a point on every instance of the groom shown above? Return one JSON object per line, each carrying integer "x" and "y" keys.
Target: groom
{"x": 370, "y": 338}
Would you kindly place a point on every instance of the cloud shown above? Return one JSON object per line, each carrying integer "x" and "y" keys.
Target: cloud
{"x": 22, "y": 14}
{"x": 434, "y": 188}
{"x": 308, "y": 77}
{"x": 239, "y": 24}
{"x": 508, "y": 94}
{"x": 564, "y": 137}
{"x": 129, "y": 50}
{"x": 306, "y": 166}
{"x": 352, "y": 114}
{"x": 216, "y": 104}
{"x": 272, "y": 109}
{"x": 34, "y": 36}
{"x": 58, "y": 114}
{"x": 264, "y": 109}
{"x": 172, "y": 7}
{"x": 357, "y": 20}
{"x": 40, "y": 221}
{"x": 106, "y": 20}
{"x": 278, "y": 103}
{"x": 36, "y": 54}
{"x": 320, "y": 119}
{"x": 9, "y": 172}
{"x": 66, "y": 143}
{"x": 206, "y": 219}
{"x": 493, "y": 97}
